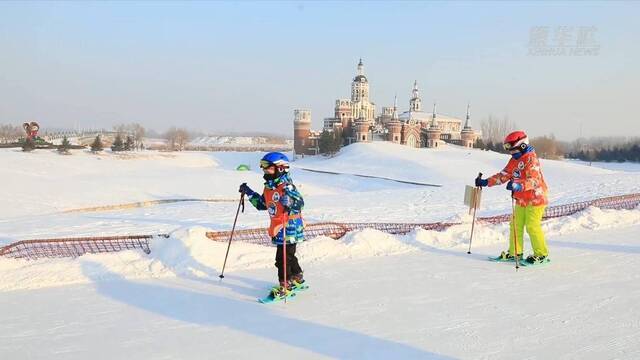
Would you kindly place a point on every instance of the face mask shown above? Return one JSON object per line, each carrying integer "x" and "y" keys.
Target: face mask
{"x": 269, "y": 177}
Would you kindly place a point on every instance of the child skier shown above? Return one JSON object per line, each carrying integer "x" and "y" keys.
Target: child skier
{"x": 524, "y": 178}
{"x": 284, "y": 205}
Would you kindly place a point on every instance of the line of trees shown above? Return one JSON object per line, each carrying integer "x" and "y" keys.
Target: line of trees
{"x": 620, "y": 153}
{"x": 10, "y": 133}
{"x": 119, "y": 145}
{"x": 134, "y": 133}
{"x": 547, "y": 147}
{"x": 494, "y": 129}
{"x": 490, "y": 146}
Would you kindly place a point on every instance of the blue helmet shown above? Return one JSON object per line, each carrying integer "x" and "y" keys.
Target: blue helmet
{"x": 275, "y": 158}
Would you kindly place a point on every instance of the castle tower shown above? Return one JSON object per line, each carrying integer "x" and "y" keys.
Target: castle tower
{"x": 301, "y": 130}
{"x": 360, "y": 86}
{"x": 415, "y": 104}
{"x": 467, "y": 134}
{"x": 394, "y": 126}
{"x": 361, "y": 128}
{"x": 343, "y": 112}
{"x": 433, "y": 132}
{"x": 360, "y": 104}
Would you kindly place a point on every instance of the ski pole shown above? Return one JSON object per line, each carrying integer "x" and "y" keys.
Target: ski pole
{"x": 284, "y": 251}
{"x": 476, "y": 196}
{"x": 240, "y": 205}
{"x": 515, "y": 232}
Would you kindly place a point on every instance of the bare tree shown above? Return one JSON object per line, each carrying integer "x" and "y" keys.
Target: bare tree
{"x": 121, "y": 129}
{"x": 10, "y": 133}
{"x": 494, "y": 130}
{"x": 182, "y": 138}
{"x": 547, "y": 147}
{"x": 177, "y": 139}
{"x": 138, "y": 134}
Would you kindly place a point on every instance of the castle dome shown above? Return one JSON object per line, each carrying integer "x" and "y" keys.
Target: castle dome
{"x": 360, "y": 78}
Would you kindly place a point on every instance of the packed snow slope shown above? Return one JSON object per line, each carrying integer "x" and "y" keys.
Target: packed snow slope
{"x": 39, "y": 186}
{"x": 372, "y": 295}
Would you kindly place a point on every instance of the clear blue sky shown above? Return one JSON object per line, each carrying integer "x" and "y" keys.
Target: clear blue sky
{"x": 245, "y": 66}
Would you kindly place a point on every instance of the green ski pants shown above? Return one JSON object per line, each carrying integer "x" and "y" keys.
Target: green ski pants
{"x": 531, "y": 218}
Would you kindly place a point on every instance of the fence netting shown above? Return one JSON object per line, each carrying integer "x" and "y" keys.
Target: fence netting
{"x": 336, "y": 230}
{"x": 74, "y": 247}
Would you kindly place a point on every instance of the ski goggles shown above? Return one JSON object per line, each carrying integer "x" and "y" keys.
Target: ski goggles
{"x": 509, "y": 147}
{"x": 266, "y": 164}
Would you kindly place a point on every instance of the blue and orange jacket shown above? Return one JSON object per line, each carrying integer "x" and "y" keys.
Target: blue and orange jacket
{"x": 524, "y": 168}
{"x": 270, "y": 201}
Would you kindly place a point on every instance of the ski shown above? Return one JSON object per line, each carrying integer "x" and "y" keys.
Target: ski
{"x": 269, "y": 299}
{"x": 300, "y": 287}
{"x": 294, "y": 290}
{"x": 528, "y": 264}
{"x": 501, "y": 259}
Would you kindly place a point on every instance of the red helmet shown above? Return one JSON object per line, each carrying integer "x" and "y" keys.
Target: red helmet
{"x": 517, "y": 139}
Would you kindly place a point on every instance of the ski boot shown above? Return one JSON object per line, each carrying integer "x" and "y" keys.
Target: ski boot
{"x": 536, "y": 259}
{"x": 297, "y": 282}
{"x": 505, "y": 256}
{"x": 281, "y": 291}
{"x": 278, "y": 293}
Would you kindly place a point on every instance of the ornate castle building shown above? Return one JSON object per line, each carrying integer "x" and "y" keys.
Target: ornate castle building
{"x": 356, "y": 120}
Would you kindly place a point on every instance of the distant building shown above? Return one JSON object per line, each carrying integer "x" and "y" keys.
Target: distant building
{"x": 305, "y": 141}
{"x": 356, "y": 118}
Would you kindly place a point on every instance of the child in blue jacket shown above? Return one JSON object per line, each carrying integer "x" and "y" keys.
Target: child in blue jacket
{"x": 284, "y": 205}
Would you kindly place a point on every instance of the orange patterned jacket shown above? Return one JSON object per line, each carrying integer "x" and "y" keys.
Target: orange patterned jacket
{"x": 526, "y": 171}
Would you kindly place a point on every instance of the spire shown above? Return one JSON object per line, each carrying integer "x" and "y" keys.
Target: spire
{"x": 415, "y": 102}
{"x": 467, "y": 123}
{"x": 415, "y": 93}
{"x": 360, "y": 67}
{"x": 394, "y": 116}
{"x": 433, "y": 119}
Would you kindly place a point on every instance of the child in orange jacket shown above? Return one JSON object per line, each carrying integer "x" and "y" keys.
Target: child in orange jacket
{"x": 523, "y": 176}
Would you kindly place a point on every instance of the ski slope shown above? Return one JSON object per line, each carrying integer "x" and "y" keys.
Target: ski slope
{"x": 372, "y": 295}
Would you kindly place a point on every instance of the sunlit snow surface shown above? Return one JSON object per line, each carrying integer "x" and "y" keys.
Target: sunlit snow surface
{"x": 372, "y": 295}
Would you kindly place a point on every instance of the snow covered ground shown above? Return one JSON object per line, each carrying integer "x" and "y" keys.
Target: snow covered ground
{"x": 237, "y": 141}
{"x": 372, "y": 295}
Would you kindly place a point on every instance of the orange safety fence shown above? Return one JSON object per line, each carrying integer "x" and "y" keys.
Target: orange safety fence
{"x": 74, "y": 247}
{"x": 337, "y": 230}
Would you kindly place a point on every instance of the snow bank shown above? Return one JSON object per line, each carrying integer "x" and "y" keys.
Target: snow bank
{"x": 188, "y": 253}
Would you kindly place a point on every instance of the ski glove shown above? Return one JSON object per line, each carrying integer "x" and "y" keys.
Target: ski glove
{"x": 482, "y": 182}
{"x": 244, "y": 188}
{"x": 514, "y": 186}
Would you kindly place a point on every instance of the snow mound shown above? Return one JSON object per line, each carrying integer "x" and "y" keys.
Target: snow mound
{"x": 441, "y": 165}
{"x": 189, "y": 253}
